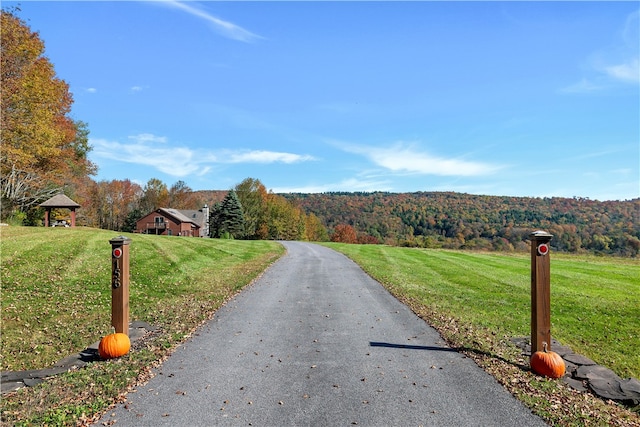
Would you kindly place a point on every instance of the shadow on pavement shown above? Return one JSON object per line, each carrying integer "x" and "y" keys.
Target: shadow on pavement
{"x": 410, "y": 347}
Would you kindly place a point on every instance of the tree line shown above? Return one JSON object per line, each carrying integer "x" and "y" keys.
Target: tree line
{"x": 249, "y": 211}
{"x": 465, "y": 221}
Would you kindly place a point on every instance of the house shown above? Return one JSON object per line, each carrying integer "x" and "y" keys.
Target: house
{"x": 174, "y": 222}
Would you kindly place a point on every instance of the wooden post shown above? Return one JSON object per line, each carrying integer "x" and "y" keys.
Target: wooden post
{"x": 540, "y": 291}
{"x": 120, "y": 284}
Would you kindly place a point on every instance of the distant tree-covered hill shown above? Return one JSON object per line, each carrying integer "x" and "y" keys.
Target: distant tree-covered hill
{"x": 464, "y": 221}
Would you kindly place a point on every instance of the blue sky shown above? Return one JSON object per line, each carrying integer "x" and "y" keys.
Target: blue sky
{"x": 536, "y": 99}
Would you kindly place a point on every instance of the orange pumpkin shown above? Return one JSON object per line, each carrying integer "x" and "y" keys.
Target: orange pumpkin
{"x": 114, "y": 345}
{"x": 547, "y": 363}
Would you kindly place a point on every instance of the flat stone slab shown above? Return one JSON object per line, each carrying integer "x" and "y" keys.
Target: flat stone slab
{"x": 626, "y": 391}
{"x": 575, "y": 384}
{"x": 631, "y": 387}
{"x": 10, "y": 381}
{"x": 595, "y": 372}
{"x": 562, "y": 350}
{"x": 578, "y": 359}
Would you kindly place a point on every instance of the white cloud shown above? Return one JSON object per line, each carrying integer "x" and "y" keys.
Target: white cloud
{"x": 351, "y": 184}
{"x": 401, "y": 157}
{"x": 225, "y": 28}
{"x": 147, "y": 137}
{"x": 583, "y": 86}
{"x": 151, "y": 150}
{"x": 136, "y": 88}
{"x": 626, "y": 72}
{"x": 91, "y": 90}
{"x": 615, "y": 64}
{"x": 623, "y": 171}
{"x": 174, "y": 161}
{"x": 261, "y": 156}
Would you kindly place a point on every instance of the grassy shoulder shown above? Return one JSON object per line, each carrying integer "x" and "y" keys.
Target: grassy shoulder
{"x": 56, "y": 300}
{"x": 480, "y": 300}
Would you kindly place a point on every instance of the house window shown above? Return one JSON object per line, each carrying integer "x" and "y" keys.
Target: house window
{"x": 159, "y": 220}
{"x": 169, "y": 233}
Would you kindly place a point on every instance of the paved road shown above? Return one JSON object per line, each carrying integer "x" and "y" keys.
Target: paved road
{"x": 317, "y": 342}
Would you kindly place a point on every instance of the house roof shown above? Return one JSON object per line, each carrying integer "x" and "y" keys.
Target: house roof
{"x": 195, "y": 215}
{"x": 60, "y": 201}
{"x": 178, "y": 215}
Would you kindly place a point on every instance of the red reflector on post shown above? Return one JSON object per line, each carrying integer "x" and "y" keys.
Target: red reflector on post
{"x": 543, "y": 249}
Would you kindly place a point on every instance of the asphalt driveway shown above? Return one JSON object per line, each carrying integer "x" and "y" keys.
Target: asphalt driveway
{"x": 317, "y": 342}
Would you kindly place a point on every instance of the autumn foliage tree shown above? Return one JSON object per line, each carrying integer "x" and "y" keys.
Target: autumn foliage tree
{"x": 42, "y": 147}
{"x": 253, "y": 197}
{"x": 181, "y": 196}
{"x": 315, "y": 231}
{"x": 111, "y": 203}
{"x": 285, "y": 221}
{"x": 155, "y": 195}
{"x": 344, "y": 233}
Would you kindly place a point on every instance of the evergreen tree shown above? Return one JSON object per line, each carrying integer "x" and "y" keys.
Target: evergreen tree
{"x": 214, "y": 220}
{"x": 227, "y": 218}
{"x": 131, "y": 219}
{"x": 232, "y": 218}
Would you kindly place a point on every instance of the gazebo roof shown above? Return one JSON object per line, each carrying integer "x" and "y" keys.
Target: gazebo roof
{"x": 60, "y": 201}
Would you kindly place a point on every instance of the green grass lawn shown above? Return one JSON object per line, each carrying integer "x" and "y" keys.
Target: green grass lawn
{"x": 595, "y": 301}
{"x": 56, "y": 286}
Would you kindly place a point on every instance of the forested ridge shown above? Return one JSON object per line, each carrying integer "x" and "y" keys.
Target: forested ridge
{"x": 465, "y": 221}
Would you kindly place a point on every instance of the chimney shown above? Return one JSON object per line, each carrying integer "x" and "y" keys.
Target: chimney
{"x": 205, "y": 220}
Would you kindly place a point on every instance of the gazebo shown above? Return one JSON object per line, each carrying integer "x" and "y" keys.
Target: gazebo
{"x": 60, "y": 201}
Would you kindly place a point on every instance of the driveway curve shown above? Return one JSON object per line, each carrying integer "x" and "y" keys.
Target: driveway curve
{"x": 316, "y": 342}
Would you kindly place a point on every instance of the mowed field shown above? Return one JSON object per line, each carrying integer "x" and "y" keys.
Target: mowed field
{"x": 56, "y": 286}
{"x": 595, "y": 301}
{"x": 56, "y": 295}
{"x": 56, "y": 300}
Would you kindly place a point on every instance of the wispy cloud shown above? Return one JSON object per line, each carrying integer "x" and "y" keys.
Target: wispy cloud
{"x": 583, "y": 86}
{"x": 155, "y": 151}
{"x": 622, "y": 62}
{"x": 610, "y": 150}
{"x": 406, "y": 158}
{"x": 626, "y": 72}
{"x": 144, "y": 138}
{"x": 261, "y": 156}
{"x": 349, "y": 184}
{"x": 613, "y": 65}
{"x": 144, "y": 150}
{"x": 224, "y": 28}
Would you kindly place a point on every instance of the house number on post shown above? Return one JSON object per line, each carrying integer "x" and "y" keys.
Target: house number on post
{"x": 120, "y": 284}
{"x": 115, "y": 276}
